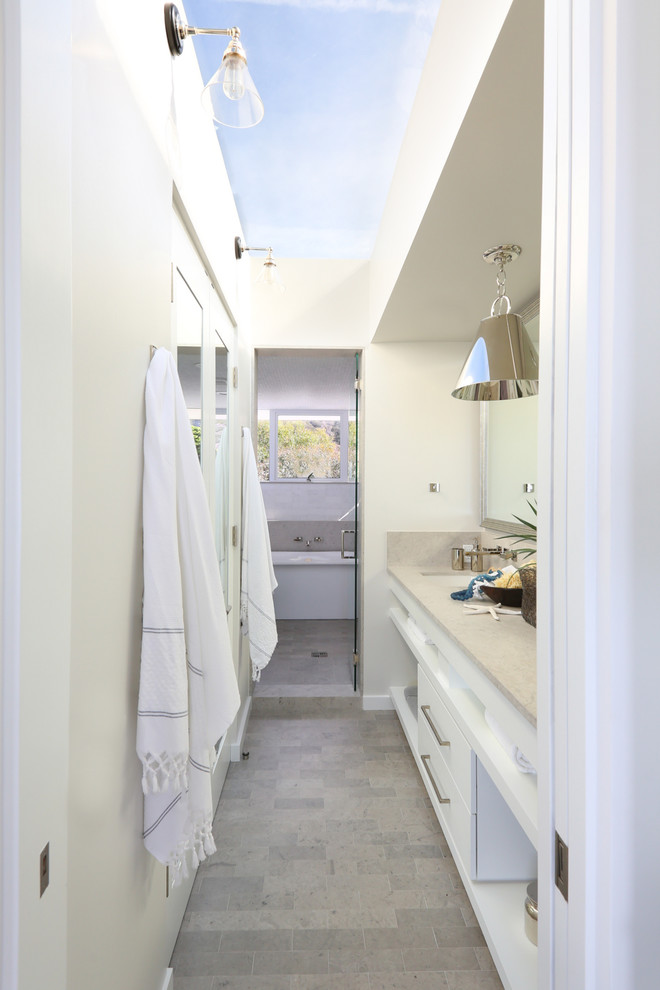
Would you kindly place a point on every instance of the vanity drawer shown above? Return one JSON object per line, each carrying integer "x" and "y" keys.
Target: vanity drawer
{"x": 446, "y": 739}
{"x": 457, "y": 823}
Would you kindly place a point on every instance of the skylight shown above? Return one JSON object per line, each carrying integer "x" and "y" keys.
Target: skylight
{"x": 338, "y": 79}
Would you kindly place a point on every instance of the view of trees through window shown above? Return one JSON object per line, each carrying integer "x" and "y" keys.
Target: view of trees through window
{"x": 352, "y": 448}
{"x": 305, "y": 445}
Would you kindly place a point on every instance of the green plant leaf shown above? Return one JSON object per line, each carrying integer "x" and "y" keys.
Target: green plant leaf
{"x": 528, "y": 537}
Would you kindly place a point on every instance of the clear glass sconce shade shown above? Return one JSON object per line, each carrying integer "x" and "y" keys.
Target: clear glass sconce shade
{"x": 269, "y": 276}
{"x": 230, "y": 95}
{"x": 502, "y": 364}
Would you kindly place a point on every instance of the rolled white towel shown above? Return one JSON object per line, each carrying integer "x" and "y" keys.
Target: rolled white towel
{"x": 416, "y": 631}
{"x": 515, "y": 754}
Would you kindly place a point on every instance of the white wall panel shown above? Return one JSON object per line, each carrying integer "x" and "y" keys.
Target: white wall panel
{"x": 43, "y": 265}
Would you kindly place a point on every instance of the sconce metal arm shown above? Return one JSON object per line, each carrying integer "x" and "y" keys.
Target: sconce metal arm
{"x": 239, "y": 248}
{"x": 177, "y": 30}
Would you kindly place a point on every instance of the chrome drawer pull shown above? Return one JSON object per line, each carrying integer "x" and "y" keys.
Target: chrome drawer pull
{"x": 426, "y": 760}
{"x": 425, "y": 712}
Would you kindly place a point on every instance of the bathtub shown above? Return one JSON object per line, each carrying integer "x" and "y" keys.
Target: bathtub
{"x": 313, "y": 585}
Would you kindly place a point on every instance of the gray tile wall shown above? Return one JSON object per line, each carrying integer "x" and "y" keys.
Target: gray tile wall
{"x": 283, "y": 533}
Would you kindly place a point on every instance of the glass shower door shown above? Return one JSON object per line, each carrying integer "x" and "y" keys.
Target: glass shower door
{"x": 354, "y": 476}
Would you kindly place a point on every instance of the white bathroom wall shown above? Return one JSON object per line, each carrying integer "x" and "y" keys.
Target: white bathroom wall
{"x": 137, "y": 126}
{"x": 325, "y": 304}
{"x": 100, "y": 151}
{"x": 414, "y": 433}
{"x": 36, "y": 620}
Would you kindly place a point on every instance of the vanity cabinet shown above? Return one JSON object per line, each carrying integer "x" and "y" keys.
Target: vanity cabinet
{"x": 486, "y": 807}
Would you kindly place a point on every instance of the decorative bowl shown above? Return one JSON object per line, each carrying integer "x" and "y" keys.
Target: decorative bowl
{"x": 503, "y": 596}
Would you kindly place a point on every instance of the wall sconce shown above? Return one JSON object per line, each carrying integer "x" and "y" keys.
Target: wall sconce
{"x": 230, "y": 95}
{"x": 269, "y": 276}
{"x": 502, "y": 363}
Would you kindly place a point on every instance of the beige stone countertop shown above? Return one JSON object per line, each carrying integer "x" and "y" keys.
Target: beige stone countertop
{"x": 505, "y": 651}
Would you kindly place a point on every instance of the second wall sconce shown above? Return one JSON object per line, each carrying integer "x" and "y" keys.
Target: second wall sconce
{"x": 230, "y": 95}
{"x": 502, "y": 363}
{"x": 269, "y": 275}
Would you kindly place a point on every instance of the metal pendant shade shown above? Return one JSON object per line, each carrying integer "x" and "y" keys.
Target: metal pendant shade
{"x": 502, "y": 363}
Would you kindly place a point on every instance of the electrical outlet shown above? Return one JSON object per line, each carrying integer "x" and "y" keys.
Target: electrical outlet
{"x": 44, "y": 869}
{"x": 434, "y": 486}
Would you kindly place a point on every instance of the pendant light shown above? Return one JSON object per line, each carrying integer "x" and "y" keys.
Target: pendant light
{"x": 502, "y": 363}
{"x": 230, "y": 95}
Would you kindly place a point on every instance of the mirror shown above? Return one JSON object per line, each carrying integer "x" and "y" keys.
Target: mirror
{"x": 189, "y": 315}
{"x": 201, "y": 328}
{"x": 222, "y": 521}
{"x": 509, "y": 451}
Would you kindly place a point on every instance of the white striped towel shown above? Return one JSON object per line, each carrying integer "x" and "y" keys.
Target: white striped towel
{"x": 222, "y": 500}
{"x": 257, "y": 574}
{"x": 188, "y": 693}
{"x": 514, "y": 753}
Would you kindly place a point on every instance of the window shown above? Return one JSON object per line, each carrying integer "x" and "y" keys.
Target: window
{"x": 263, "y": 445}
{"x": 352, "y": 446}
{"x": 295, "y": 445}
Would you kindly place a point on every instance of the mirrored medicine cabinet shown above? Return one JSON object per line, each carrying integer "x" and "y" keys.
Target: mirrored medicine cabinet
{"x": 508, "y": 449}
{"x": 203, "y": 333}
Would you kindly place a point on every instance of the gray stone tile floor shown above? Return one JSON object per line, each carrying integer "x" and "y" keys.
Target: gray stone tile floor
{"x": 331, "y": 871}
{"x": 294, "y": 672}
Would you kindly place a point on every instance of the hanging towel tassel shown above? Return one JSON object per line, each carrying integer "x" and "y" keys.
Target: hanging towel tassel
{"x": 209, "y": 843}
{"x": 159, "y": 774}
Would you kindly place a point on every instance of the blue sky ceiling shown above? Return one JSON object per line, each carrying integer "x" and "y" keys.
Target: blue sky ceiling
{"x": 338, "y": 79}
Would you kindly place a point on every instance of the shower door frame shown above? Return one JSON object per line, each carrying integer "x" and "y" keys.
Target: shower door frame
{"x": 358, "y": 596}
{"x": 357, "y": 589}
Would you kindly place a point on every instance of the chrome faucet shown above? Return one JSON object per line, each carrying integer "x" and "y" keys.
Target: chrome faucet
{"x": 476, "y": 555}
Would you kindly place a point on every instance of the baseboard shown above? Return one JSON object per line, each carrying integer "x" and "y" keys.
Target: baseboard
{"x": 236, "y": 748}
{"x": 168, "y": 982}
{"x": 377, "y": 703}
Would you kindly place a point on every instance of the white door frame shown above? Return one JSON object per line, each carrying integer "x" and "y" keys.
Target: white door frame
{"x": 598, "y": 656}
{"x": 10, "y": 488}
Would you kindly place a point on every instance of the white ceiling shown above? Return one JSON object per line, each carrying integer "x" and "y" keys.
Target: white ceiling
{"x": 489, "y": 193}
